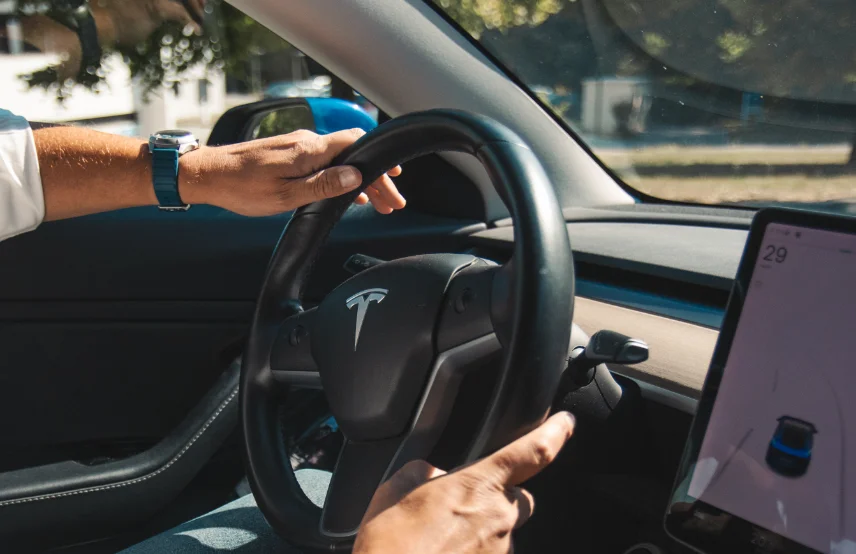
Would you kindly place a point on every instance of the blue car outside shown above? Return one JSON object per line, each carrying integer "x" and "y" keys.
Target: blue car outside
{"x": 335, "y": 114}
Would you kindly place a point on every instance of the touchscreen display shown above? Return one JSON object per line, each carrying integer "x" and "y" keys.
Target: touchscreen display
{"x": 780, "y": 446}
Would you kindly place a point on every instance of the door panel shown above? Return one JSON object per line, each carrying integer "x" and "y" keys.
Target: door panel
{"x": 76, "y": 382}
{"x": 113, "y": 326}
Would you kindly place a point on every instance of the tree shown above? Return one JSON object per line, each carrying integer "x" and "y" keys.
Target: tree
{"x": 718, "y": 48}
{"x": 477, "y": 16}
{"x": 796, "y": 49}
{"x": 701, "y": 56}
{"x": 229, "y": 39}
{"x": 226, "y": 41}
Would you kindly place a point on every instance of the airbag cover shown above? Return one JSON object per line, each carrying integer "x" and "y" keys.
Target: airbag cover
{"x": 374, "y": 342}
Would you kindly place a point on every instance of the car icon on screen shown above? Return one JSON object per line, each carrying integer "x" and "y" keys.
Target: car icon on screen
{"x": 789, "y": 452}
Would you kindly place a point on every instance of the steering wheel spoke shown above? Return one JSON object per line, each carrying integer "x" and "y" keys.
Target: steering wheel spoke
{"x": 291, "y": 360}
{"x": 360, "y": 469}
{"x": 477, "y": 304}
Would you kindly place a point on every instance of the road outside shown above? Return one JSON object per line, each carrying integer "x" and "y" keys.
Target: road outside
{"x": 791, "y": 356}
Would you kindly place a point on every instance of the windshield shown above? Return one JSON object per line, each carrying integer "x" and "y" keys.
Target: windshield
{"x": 708, "y": 101}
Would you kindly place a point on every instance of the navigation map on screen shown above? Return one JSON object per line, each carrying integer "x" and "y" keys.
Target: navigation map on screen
{"x": 780, "y": 447}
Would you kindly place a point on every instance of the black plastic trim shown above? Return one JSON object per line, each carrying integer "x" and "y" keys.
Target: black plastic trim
{"x": 69, "y": 497}
{"x": 708, "y": 216}
{"x": 702, "y": 255}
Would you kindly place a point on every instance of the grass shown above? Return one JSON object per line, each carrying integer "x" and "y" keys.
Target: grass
{"x": 721, "y": 187}
{"x": 725, "y": 155}
{"x": 717, "y": 190}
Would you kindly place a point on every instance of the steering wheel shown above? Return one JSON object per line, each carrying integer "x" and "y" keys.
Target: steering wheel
{"x": 391, "y": 344}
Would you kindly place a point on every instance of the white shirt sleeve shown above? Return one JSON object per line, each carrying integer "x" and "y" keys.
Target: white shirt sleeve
{"x": 22, "y": 201}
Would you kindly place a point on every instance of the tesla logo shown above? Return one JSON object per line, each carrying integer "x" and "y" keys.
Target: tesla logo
{"x": 362, "y": 300}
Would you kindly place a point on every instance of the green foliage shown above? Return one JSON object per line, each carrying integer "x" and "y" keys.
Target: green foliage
{"x": 655, "y": 43}
{"x": 243, "y": 37}
{"x": 477, "y": 16}
{"x": 795, "y": 48}
{"x": 49, "y": 79}
{"x": 733, "y": 45}
{"x": 168, "y": 53}
{"x": 556, "y": 53}
{"x": 228, "y": 40}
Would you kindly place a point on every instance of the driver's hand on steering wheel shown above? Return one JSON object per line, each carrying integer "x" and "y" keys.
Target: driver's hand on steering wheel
{"x": 423, "y": 510}
{"x": 279, "y": 174}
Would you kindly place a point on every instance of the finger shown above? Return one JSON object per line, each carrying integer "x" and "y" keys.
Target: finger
{"x": 525, "y": 457}
{"x": 197, "y": 10}
{"x": 194, "y": 8}
{"x": 389, "y": 193}
{"x": 378, "y": 201}
{"x": 361, "y": 200}
{"x": 174, "y": 11}
{"x": 326, "y": 183}
{"x": 523, "y": 500}
{"x": 395, "y": 171}
{"x": 331, "y": 145}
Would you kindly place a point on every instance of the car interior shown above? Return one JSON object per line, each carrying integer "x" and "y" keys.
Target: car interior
{"x": 156, "y": 365}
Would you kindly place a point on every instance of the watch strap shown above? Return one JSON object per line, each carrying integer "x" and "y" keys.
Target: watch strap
{"x": 77, "y": 17}
{"x": 165, "y": 179}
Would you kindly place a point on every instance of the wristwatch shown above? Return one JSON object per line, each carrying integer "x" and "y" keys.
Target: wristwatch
{"x": 166, "y": 147}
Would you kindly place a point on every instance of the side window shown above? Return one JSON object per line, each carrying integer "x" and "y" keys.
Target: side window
{"x": 135, "y": 67}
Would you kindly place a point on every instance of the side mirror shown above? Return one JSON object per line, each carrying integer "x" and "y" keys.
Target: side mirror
{"x": 280, "y": 116}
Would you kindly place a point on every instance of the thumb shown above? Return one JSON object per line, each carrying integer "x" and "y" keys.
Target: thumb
{"x": 327, "y": 183}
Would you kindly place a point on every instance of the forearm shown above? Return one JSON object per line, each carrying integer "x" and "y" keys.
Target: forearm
{"x": 85, "y": 172}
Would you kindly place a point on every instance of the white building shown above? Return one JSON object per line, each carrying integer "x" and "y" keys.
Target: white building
{"x": 600, "y": 97}
{"x": 197, "y": 104}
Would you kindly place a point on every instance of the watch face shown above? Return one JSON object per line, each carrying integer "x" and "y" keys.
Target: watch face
{"x": 172, "y": 134}
{"x": 173, "y": 138}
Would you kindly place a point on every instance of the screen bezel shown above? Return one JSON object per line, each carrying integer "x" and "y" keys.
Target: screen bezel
{"x": 732, "y": 540}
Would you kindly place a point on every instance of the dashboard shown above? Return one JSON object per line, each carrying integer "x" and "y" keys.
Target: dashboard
{"x": 668, "y": 284}
{"x": 664, "y": 278}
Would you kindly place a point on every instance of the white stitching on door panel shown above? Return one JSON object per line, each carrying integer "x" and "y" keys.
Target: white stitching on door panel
{"x": 155, "y": 473}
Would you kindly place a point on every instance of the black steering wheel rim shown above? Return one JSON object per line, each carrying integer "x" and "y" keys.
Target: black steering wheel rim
{"x": 534, "y": 329}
